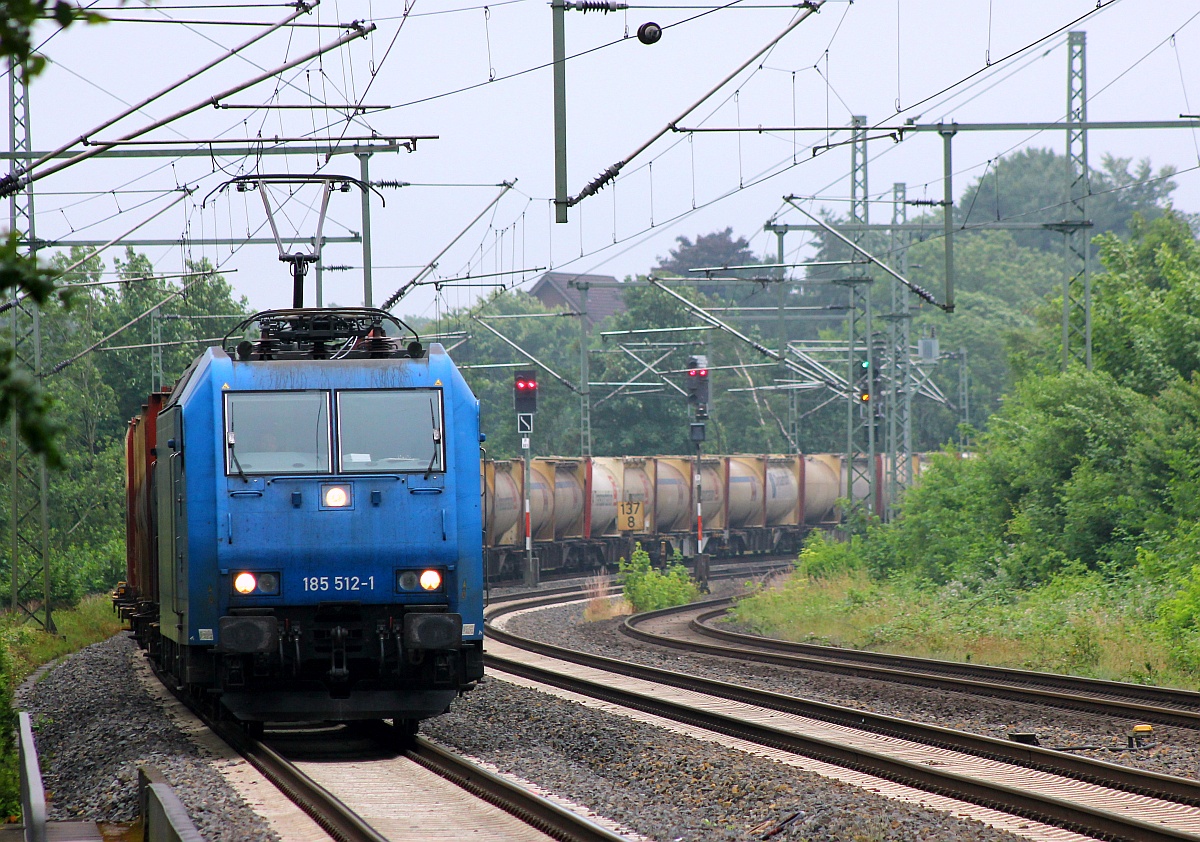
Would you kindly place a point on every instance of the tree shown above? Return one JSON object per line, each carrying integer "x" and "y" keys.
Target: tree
{"x": 1146, "y": 307}
{"x": 1030, "y": 186}
{"x": 1045, "y": 490}
{"x": 92, "y": 398}
{"x": 27, "y": 283}
{"x": 488, "y": 364}
{"x": 718, "y": 250}
{"x": 21, "y": 276}
{"x": 1009, "y": 283}
{"x": 715, "y": 249}
{"x": 17, "y": 18}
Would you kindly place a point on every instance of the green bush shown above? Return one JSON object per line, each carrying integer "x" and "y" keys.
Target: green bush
{"x": 824, "y": 558}
{"x": 648, "y": 589}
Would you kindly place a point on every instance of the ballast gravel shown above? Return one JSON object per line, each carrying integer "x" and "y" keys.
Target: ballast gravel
{"x": 1173, "y": 750}
{"x": 96, "y": 724}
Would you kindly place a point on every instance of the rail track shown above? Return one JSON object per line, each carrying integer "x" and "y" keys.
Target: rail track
{"x": 690, "y": 628}
{"x": 1093, "y": 797}
{"x": 372, "y": 783}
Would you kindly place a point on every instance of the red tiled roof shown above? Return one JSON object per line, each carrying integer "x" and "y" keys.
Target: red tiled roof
{"x": 559, "y": 289}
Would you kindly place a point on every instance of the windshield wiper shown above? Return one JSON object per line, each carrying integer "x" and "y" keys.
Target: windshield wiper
{"x": 233, "y": 453}
{"x": 436, "y": 440}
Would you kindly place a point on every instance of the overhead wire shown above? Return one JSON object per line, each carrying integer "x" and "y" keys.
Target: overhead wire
{"x": 660, "y": 224}
{"x": 1101, "y": 5}
{"x": 1186, "y": 101}
{"x": 533, "y": 69}
{"x": 649, "y": 232}
{"x": 1151, "y": 52}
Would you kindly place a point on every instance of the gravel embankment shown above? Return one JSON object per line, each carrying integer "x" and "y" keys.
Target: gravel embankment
{"x": 96, "y": 724}
{"x": 670, "y": 787}
{"x": 1177, "y": 750}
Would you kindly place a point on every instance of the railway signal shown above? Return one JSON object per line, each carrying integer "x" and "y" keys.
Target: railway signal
{"x": 864, "y": 382}
{"x": 698, "y": 395}
{"x": 525, "y": 401}
{"x": 525, "y": 391}
{"x": 697, "y": 386}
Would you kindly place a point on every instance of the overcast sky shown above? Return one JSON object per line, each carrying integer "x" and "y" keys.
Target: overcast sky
{"x": 474, "y": 75}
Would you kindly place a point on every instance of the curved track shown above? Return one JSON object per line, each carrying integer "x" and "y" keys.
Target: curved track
{"x": 1093, "y": 797}
{"x": 690, "y": 628}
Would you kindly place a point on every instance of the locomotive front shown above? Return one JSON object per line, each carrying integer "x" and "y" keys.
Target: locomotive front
{"x": 320, "y": 552}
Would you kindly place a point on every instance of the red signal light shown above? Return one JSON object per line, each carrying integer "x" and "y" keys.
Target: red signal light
{"x": 525, "y": 391}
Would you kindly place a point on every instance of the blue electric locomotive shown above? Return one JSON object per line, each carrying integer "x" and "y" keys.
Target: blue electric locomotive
{"x": 314, "y": 489}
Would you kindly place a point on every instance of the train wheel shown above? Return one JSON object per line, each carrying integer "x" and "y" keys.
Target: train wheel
{"x": 404, "y": 732}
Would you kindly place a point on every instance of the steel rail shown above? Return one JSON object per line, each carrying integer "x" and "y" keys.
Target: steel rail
{"x": 339, "y": 821}
{"x": 330, "y": 814}
{"x": 1033, "y": 805}
{"x": 1149, "y": 693}
{"x": 320, "y": 805}
{"x": 1043, "y": 807}
{"x": 1114, "y": 775}
{"x": 1161, "y": 705}
{"x": 342, "y": 823}
{"x": 532, "y": 809}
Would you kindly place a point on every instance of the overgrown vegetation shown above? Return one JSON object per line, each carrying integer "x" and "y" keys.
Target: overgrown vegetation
{"x": 24, "y": 648}
{"x": 92, "y": 399}
{"x": 1069, "y": 537}
{"x": 603, "y": 602}
{"x": 648, "y": 589}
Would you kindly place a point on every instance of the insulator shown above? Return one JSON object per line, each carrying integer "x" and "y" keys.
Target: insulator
{"x": 267, "y": 347}
{"x": 586, "y": 6}
{"x": 379, "y": 346}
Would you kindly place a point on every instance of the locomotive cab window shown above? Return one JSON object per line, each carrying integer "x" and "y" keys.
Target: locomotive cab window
{"x": 397, "y": 430}
{"x": 276, "y": 433}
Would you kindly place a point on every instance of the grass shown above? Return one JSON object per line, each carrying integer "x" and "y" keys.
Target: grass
{"x": 91, "y": 621}
{"x": 24, "y": 648}
{"x": 1072, "y": 625}
{"x": 603, "y": 602}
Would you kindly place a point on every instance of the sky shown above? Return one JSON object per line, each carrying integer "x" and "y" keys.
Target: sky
{"x": 478, "y": 78}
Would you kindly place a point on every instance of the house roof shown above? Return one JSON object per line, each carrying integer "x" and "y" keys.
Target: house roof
{"x": 560, "y": 289}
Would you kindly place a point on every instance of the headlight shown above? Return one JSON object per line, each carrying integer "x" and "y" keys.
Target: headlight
{"x": 335, "y": 496}
{"x": 245, "y": 583}
{"x": 418, "y": 581}
{"x": 259, "y": 584}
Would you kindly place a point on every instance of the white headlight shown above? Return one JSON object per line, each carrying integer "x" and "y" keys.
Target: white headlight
{"x": 431, "y": 580}
{"x": 245, "y": 583}
{"x": 336, "y": 496}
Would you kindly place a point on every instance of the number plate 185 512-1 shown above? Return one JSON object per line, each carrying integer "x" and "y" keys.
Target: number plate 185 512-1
{"x": 339, "y": 583}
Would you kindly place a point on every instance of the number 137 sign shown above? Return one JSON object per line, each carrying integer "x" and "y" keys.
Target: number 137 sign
{"x": 631, "y": 516}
